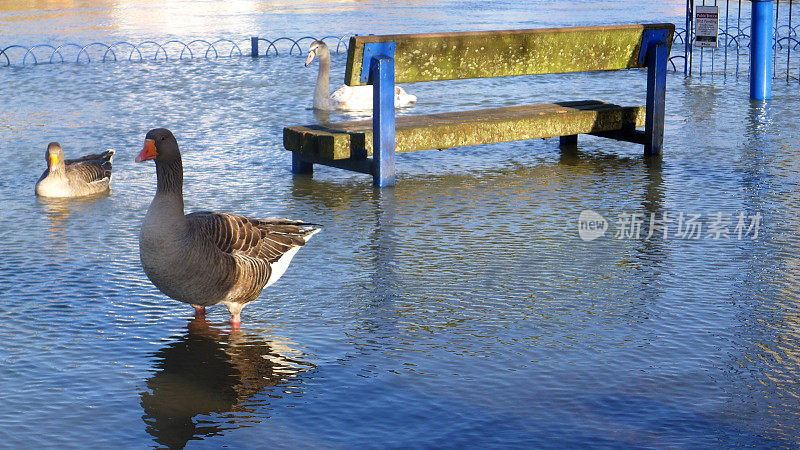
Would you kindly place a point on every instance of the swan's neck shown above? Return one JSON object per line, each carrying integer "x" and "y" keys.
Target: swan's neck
{"x": 323, "y": 90}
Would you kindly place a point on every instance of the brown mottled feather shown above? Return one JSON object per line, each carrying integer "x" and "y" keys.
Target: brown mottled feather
{"x": 252, "y": 244}
{"x": 260, "y": 239}
{"x": 90, "y": 168}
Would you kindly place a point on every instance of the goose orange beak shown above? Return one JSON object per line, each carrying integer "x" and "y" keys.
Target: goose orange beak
{"x": 53, "y": 159}
{"x": 148, "y": 152}
{"x": 310, "y": 57}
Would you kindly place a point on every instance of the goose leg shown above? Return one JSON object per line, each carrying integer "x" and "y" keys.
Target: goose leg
{"x": 235, "y": 309}
{"x": 199, "y": 311}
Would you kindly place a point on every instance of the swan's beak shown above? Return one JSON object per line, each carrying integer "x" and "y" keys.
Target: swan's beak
{"x": 53, "y": 159}
{"x": 310, "y": 57}
{"x": 148, "y": 152}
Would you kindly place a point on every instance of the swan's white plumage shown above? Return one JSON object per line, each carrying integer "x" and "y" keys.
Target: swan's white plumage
{"x": 345, "y": 98}
{"x": 354, "y": 98}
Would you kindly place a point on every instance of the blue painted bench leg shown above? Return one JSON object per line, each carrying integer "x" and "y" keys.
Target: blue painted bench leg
{"x": 568, "y": 141}
{"x": 299, "y": 166}
{"x": 656, "y": 97}
{"x": 383, "y": 126}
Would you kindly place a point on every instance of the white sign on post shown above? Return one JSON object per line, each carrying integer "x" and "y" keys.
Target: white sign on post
{"x": 706, "y": 26}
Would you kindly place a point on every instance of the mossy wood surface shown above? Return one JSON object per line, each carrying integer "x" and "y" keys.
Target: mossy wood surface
{"x": 455, "y": 129}
{"x": 482, "y": 54}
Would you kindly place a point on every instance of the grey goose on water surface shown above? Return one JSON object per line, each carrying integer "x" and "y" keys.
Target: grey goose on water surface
{"x": 86, "y": 175}
{"x": 207, "y": 258}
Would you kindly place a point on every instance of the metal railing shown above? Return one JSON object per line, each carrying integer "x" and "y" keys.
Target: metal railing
{"x": 732, "y": 56}
{"x": 151, "y": 50}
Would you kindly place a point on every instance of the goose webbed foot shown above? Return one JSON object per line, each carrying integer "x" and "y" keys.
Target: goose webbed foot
{"x": 235, "y": 310}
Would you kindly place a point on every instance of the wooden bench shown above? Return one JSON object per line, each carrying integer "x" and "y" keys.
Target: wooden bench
{"x": 385, "y": 60}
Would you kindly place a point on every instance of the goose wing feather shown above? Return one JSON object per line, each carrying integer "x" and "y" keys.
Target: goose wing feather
{"x": 90, "y": 168}
{"x": 265, "y": 240}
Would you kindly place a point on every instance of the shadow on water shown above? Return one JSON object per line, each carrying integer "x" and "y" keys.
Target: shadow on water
{"x": 209, "y": 372}
{"x": 572, "y": 162}
{"x": 409, "y": 226}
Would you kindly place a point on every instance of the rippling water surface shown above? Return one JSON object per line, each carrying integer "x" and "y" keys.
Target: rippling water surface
{"x": 460, "y": 308}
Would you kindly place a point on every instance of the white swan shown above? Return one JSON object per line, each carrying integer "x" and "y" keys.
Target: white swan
{"x": 348, "y": 98}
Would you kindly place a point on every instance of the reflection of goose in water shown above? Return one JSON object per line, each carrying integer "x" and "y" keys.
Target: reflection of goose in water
{"x": 58, "y": 212}
{"x": 208, "y": 371}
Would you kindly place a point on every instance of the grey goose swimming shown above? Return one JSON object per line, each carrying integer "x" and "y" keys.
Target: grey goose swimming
{"x": 208, "y": 258}
{"x": 86, "y": 175}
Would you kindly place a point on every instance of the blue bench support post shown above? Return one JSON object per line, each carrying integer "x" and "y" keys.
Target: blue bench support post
{"x": 300, "y": 166}
{"x": 254, "y": 46}
{"x": 654, "y": 49}
{"x": 568, "y": 141}
{"x": 381, "y": 75}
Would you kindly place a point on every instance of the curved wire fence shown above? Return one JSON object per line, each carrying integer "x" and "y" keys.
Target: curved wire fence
{"x": 734, "y": 44}
{"x": 154, "y": 51}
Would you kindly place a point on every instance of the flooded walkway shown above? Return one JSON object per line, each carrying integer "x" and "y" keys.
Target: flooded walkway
{"x": 461, "y": 308}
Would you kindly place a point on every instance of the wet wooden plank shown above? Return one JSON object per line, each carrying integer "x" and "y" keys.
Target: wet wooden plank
{"x": 482, "y": 54}
{"x": 353, "y": 139}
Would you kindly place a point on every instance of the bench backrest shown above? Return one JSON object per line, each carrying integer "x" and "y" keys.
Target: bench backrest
{"x": 483, "y": 54}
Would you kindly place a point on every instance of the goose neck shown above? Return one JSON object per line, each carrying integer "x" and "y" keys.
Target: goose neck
{"x": 170, "y": 177}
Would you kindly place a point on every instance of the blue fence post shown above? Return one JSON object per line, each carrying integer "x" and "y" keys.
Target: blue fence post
{"x": 254, "y": 46}
{"x": 383, "y": 125}
{"x": 654, "y": 45}
{"x": 761, "y": 50}
{"x": 687, "y": 38}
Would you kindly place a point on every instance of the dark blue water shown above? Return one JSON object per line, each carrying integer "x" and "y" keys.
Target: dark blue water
{"x": 461, "y": 308}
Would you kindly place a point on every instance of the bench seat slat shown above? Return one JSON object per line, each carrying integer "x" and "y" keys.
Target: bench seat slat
{"x": 353, "y": 139}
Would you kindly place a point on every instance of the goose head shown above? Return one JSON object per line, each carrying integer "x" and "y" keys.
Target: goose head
{"x": 317, "y": 49}
{"x": 159, "y": 145}
{"x": 54, "y": 157}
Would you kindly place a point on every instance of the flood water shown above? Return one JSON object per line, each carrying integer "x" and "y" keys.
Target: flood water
{"x": 461, "y": 308}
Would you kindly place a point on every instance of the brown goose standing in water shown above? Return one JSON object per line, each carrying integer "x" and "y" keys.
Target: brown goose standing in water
{"x": 206, "y": 258}
{"x": 86, "y": 175}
